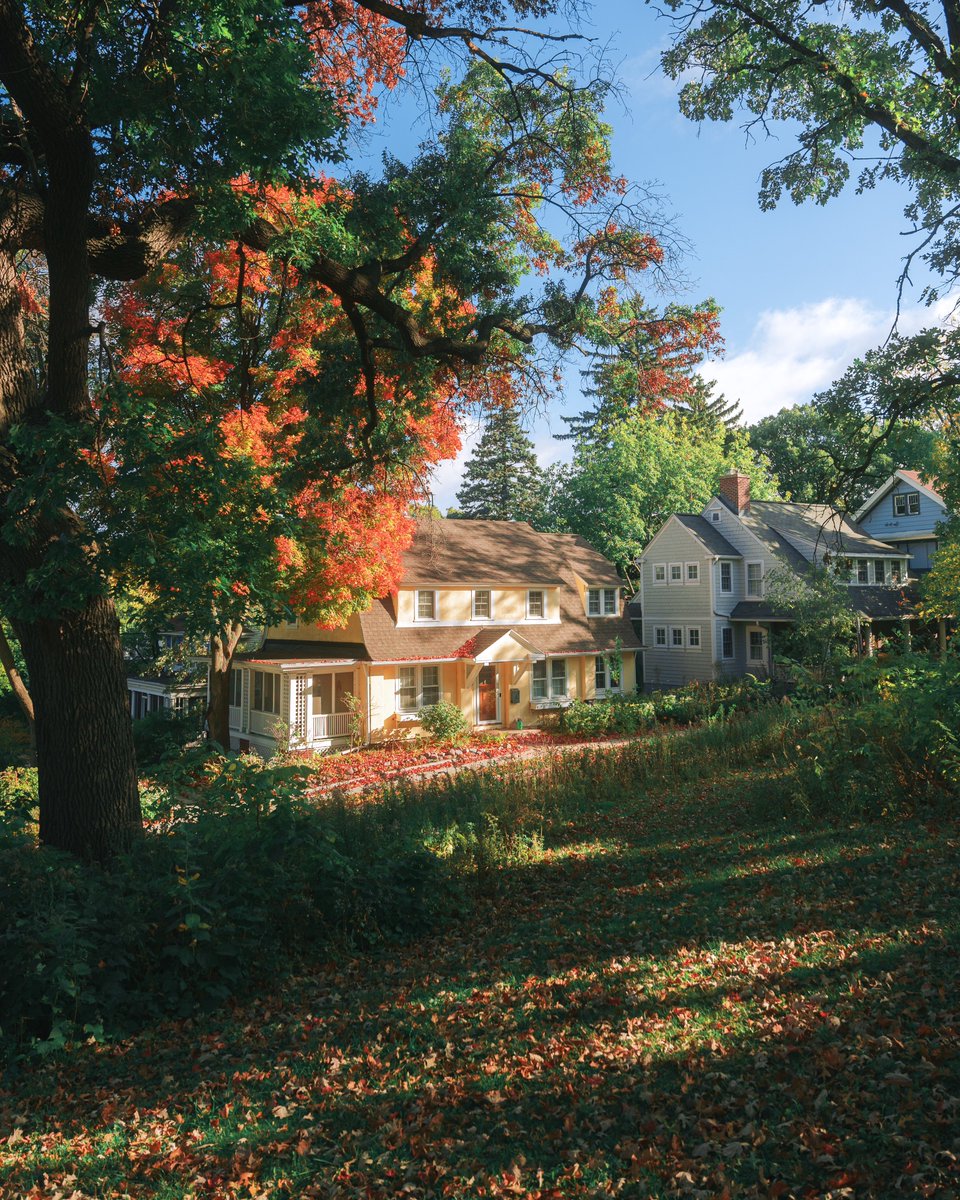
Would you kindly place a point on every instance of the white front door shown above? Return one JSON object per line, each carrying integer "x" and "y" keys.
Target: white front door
{"x": 488, "y": 696}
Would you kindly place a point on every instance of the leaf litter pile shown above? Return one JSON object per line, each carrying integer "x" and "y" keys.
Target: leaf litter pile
{"x": 680, "y": 997}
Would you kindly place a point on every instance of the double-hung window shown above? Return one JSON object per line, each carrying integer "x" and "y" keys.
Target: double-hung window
{"x": 266, "y": 692}
{"x": 236, "y": 687}
{"x": 726, "y": 641}
{"x": 757, "y": 645}
{"x": 602, "y": 602}
{"x": 606, "y": 675}
{"x": 659, "y": 572}
{"x": 536, "y": 605}
{"x": 879, "y": 571}
{"x": 482, "y": 604}
{"x": 676, "y": 572}
{"x": 426, "y": 606}
{"x": 417, "y": 687}
{"x": 692, "y": 572}
{"x": 906, "y": 503}
{"x": 693, "y": 637}
{"x": 676, "y": 637}
{"x": 549, "y": 680}
{"x": 726, "y": 577}
{"x": 755, "y": 580}
{"x": 660, "y": 635}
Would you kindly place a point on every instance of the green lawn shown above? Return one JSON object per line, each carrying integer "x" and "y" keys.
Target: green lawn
{"x": 681, "y": 995}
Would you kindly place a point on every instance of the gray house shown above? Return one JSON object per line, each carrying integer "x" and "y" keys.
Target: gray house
{"x": 906, "y": 511}
{"x": 705, "y": 614}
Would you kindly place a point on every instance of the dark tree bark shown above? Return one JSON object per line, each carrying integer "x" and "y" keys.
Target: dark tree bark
{"x": 222, "y": 649}
{"x": 86, "y": 765}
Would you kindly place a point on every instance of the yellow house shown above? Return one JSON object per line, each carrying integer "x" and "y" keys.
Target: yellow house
{"x": 504, "y": 622}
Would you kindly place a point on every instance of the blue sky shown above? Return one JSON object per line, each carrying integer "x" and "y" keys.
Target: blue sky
{"x": 803, "y": 290}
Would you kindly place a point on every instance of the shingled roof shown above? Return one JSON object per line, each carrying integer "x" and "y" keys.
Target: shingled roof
{"x": 708, "y": 535}
{"x": 451, "y": 553}
{"x": 798, "y": 532}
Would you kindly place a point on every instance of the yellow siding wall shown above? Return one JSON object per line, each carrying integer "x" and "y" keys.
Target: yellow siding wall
{"x": 305, "y": 632}
{"x": 455, "y": 605}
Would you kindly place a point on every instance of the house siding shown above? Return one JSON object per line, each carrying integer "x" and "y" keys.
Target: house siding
{"x": 677, "y": 605}
{"x": 881, "y": 522}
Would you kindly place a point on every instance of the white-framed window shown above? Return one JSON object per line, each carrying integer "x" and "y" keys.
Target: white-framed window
{"x": 426, "y": 606}
{"x": 266, "y": 692}
{"x": 236, "y": 687}
{"x": 692, "y": 573}
{"x": 482, "y": 604}
{"x": 715, "y": 516}
{"x": 417, "y": 687}
{"x": 757, "y": 646}
{"x": 863, "y": 571}
{"x": 726, "y": 642}
{"x": 549, "y": 680}
{"x": 906, "y": 503}
{"x": 693, "y": 637}
{"x": 755, "y": 579}
{"x": 879, "y": 571}
{"x": 602, "y": 602}
{"x": 895, "y": 573}
{"x": 659, "y": 572}
{"x": 536, "y": 605}
{"x": 660, "y": 635}
{"x": 676, "y": 572}
{"x": 676, "y": 637}
{"x": 606, "y": 675}
{"x": 726, "y": 577}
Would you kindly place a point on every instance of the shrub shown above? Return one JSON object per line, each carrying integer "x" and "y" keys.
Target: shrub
{"x": 160, "y": 735}
{"x": 444, "y": 720}
{"x": 586, "y": 720}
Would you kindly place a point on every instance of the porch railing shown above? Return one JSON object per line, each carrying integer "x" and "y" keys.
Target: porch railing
{"x": 331, "y": 725}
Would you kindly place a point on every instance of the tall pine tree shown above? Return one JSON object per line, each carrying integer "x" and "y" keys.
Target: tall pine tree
{"x": 502, "y": 480}
{"x": 706, "y": 411}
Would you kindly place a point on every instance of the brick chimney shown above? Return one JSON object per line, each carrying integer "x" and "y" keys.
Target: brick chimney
{"x": 735, "y": 492}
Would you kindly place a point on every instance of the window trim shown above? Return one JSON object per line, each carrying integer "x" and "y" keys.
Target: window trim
{"x": 698, "y": 629}
{"x": 763, "y": 646}
{"x": 601, "y": 594}
{"x": 665, "y": 644}
{"x": 882, "y": 563}
{"x": 608, "y": 688}
{"x": 724, "y": 657}
{"x": 235, "y": 684}
{"x": 863, "y": 565}
{"x": 546, "y": 665}
{"x": 659, "y": 567}
{"x": 259, "y": 678}
{"x": 416, "y": 606}
{"x": 726, "y": 591}
{"x": 909, "y": 499}
{"x": 688, "y": 582}
{"x": 715, "y": 515}
{"x": 473, "y": 604}
{"x": 758, "y": 595}
{"x": 418, "y": 670}
{"x": 674, "y": 644}
{"x": 541, "y": 592}
{"x": 670, "y": 578}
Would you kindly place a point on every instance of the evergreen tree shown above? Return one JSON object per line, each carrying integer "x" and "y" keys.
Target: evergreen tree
{"x": 706, "y": 411}
{"x": 502, "y": 480}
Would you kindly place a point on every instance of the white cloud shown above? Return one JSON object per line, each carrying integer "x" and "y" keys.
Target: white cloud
{"x": 793, "y": 353}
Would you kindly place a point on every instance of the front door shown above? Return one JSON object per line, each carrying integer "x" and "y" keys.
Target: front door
{"x": 488, "y": 696}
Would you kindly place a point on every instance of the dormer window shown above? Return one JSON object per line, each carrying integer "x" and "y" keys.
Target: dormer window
{"x": 536, "y": 605}
{"x": 482, "y": 604}
{"x": 715, "y": 516}
{"x": 602, "y": 602}
{"x": 426, "y": 606}
{"x": 906, "y": 504}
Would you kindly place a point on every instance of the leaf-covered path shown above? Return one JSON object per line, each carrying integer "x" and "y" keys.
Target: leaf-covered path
{"x": 681, "y": 997}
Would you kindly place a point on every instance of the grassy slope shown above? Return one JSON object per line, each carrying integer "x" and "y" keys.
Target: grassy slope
{"x": 683, "y": 994}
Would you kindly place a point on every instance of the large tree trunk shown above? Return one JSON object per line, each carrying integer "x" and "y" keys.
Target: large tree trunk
{"x": 89, "y": 800}
{"x": 222, "y": 649}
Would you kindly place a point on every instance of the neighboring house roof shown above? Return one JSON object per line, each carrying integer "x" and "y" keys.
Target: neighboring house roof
{"x": 707, "y": 533}
{"x": 797, "y": 532}
{"x": 877, "y": 603}
{"x": 451, "y": 552}
{"x": 277, "y": 650}
{"x": 902, "y": 475}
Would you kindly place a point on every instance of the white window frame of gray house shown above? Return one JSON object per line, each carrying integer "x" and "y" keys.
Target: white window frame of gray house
{"x": 676, "y": 643}
{"x": 754, "y": 593}
{"x": 678, "y": 576}
{"x": 906, "y": 504}
{"x": 547, "y": 682}
{"x": 478, "y": 605}
{"x": 726, "y": 635}
{"x": 607, "y": 677}
{"x": 863, "y": 570}
{"x": 726, "y": 577}
{"x": 762, "y": 656}
{"x": 715, "y": 516}
{"x": 602, "y": 602}
{"x": 694, "y": 637}
{"x": 542, "y": 614}
{"x": 658, "y": 642}
{"x": 663, "y": 577}
{"x": 417, "y": 687}
{"x": 694, "y": 579}
{"x": 419, "y": 614}
{"x": 268, "y": 685}
{"x": 236, "y": 687}
{"x": 879, "y": 571}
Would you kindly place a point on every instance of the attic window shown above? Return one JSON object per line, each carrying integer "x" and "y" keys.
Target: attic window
{"x": 602, "y": 602}
{"x": 906, "y": 504}
{"x": 426, "y": 606}
{"x": 715, "y": 516}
